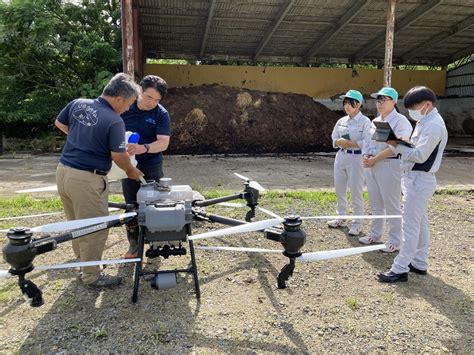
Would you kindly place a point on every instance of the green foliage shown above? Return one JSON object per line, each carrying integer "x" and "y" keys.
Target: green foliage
{"x": 53, "y": 52}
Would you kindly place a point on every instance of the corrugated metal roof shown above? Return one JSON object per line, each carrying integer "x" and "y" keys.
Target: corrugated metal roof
{"x": 303, "y": 31}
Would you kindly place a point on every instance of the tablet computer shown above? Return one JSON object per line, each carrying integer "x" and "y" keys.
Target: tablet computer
{"x": 383, "y": 132}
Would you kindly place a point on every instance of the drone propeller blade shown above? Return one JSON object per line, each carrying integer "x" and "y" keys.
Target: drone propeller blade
{"x": 231, "y": 204}
{"x": 111, "y": 209}
{"x": 248, "y": 227}
{"x": 31, "y": 216}
{"x": 68, "y": 225}
{"x": 253, "y": 184}
{"x": 332, "y": 254}
{"x": 352, "y": 217}
{"x": 38, "y": 189}
{"x": 270, "y": 213}
{"x": 249, "y": 250}
{"x": 87, "y": 263}
{"x": 242, "y": 177}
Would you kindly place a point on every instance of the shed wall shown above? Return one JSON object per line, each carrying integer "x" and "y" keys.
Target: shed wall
{"x": 316, "y": 82}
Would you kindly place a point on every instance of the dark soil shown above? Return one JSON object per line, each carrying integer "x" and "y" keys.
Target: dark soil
{"x": 215, "y": 119}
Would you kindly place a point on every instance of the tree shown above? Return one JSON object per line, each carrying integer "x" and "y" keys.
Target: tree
{"x": 53, "y": 51}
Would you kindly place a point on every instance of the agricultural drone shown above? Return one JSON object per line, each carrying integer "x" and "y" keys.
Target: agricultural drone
{"x": 164, "y": 213}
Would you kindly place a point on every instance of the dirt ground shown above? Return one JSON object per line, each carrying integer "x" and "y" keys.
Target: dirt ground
{"x": 333, "y": 306}
{"x": 283, "y": 172}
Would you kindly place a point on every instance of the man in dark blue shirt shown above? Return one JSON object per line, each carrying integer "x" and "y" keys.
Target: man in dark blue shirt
{"x": 151, "y": 120}
{"x": 95, "y": 137}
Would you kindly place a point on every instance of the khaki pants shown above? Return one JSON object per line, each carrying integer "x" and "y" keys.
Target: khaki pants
{"x": 84, "y": 195}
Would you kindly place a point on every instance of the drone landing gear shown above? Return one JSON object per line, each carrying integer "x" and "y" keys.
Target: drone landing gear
{"x": 164, "y": 279}
{"x": 285, "y": 274}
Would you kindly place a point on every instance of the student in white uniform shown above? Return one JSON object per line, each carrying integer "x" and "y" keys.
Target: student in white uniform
{"x": 348, "y": 135}
{"x": 419, "y": 165}
{"x": 383, "y": 172}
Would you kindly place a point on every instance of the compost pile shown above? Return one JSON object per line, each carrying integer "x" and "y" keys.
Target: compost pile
{"x": 213, "y": 119}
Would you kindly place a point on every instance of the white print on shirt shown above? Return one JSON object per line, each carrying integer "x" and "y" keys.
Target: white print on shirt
{"x": 85, "y": 115}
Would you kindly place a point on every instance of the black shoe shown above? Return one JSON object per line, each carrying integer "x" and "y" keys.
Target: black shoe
{"x": 106, "y": 281}
{"x": 417, "y": 271}
{"x": 391, "y": 277}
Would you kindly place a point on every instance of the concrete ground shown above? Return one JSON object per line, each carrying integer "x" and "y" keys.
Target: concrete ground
{"x": 289, "y": 172}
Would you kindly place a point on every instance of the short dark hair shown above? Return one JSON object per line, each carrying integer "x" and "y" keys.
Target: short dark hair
{"x": 418, "y": 94}
{"x": 121, "y": 85}
{"x": 155, "y": 82}
{"x": 351, "y": 102}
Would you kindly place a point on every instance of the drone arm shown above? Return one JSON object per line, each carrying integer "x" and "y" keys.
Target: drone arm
{"x": 213, "y": 201}
{"x": 219, "y": 219}
{"x": 123, "y": 206}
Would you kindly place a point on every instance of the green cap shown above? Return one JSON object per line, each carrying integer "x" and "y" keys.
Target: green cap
{"x": 353, "y": 94}
{"x": 386, "y": 91}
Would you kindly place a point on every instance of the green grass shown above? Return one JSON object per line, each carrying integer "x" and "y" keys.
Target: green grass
{"x": 352, "y": 303}
{"x": 24, "y": 205}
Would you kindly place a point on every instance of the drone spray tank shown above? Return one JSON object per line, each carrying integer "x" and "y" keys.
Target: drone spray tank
{"x": 164, "y": 216}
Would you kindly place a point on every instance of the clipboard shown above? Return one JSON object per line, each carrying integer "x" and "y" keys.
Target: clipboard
{"x": 384, "y": 132}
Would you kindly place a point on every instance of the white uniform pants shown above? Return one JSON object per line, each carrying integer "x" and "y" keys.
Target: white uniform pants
{"x": 418, "y": 188}
{"x": 384, "y": 187}
{"x": 349, "y": 172}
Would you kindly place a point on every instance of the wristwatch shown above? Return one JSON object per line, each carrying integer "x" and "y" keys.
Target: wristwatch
{"x": 147, "y": 147}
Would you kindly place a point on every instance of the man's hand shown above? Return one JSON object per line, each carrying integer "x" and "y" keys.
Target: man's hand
{"x": 135, "y": 149}
{"x": 134, "y": 173}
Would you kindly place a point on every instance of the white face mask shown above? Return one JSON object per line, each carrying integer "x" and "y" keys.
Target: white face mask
{"x": 416, "y": 114}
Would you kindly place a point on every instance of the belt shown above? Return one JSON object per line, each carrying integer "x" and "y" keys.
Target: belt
{"x": 352, "y": 151}
{"x": 98, "y": 172}
{"x": 93, "y": 171}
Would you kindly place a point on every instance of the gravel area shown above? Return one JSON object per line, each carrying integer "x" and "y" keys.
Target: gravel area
{"x": 333, "y": 306}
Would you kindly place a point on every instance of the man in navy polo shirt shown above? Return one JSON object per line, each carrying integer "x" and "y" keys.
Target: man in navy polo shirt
{"x": 95, "y": 137}
{"x": 151, "y": 120}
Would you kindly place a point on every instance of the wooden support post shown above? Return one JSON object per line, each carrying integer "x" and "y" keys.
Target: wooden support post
{"x": 137, "y": 56}
{"x": 387, "y": 68}
{"x": 127, "y": 38}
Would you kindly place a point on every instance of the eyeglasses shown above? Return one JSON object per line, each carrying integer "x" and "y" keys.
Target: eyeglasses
{"x": 382, "y": 100}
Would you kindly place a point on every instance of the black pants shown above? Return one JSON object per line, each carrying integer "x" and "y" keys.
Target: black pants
{"x": 130, "y": 187}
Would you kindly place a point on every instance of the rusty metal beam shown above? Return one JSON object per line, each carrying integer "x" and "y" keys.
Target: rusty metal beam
{"x": 461, "y": 26}
{"x": 387, "y": 66}
{"x": 281, "y": 15}
{"x": 335, "y": 28}
{"x": 212, "y": 6}
{"x": 401, "y": 25}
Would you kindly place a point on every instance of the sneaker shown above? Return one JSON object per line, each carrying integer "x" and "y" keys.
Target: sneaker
{"x": 106, "y": 281}
{"x": 390, "y": 248}
{"x": 355, "y": 230}
{"x": 337, "y": 223}
{"x": 369, "y": 240}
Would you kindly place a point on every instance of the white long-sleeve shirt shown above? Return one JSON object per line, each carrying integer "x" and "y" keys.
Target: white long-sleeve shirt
{"x": 429, "y": 132}
{"x": 357, "y": 129}
{"x": 400, "y": 126}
